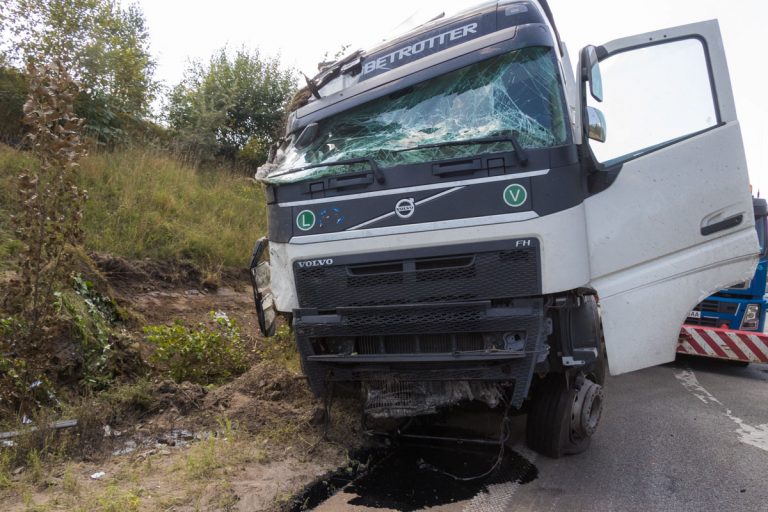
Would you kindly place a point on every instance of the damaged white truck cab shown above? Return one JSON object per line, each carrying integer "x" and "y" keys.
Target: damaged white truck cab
{"x": 442, "y": 228}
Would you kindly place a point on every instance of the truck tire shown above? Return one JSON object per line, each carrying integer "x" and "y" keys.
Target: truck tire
{"x": 596, "y": 371}
{"x": 562, "y": 419}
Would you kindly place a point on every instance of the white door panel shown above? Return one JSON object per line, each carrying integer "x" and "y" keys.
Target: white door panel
{"x": 676, "y": 224}
{"x": 643, "y": 323}
{"x": 658, "y": 203}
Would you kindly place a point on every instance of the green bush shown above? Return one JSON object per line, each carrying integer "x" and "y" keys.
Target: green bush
{"x": 205, "y": 355}
{"x": 92, "y": 318}
{"x": 20, "y": 384}
{"x": 13, "y": 94}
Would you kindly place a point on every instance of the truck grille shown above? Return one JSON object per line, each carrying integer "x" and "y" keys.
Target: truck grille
{"x": 422, "y": 276}
{"x": 420, "y": 344}
{"x": 716, "y": 306}
{"x": 705, "y": 321}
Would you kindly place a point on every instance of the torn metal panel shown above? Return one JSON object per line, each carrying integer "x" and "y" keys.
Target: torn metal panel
{"x": 517, "y": 92}
{"x": 391, "y": 399}
{"x": 56, "y": 425}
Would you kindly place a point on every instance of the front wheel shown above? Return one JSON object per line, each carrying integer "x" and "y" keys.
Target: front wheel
{"x": 562, "y": 419}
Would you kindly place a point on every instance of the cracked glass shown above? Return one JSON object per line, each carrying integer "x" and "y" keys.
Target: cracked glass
{"x": 515, "y": 93}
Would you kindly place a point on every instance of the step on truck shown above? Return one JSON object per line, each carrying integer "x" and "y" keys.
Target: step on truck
{"x": 456, "y": 215}
{"x": 730, "y": 324}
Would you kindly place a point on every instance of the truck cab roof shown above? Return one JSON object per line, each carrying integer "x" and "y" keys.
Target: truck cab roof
{"x": 434, "y": 45}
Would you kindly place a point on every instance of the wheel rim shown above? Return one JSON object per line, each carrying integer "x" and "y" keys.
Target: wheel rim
{"x": 587, "y": 409}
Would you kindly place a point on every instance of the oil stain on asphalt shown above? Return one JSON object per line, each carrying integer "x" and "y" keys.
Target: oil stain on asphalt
{"x": 417, "y": 475}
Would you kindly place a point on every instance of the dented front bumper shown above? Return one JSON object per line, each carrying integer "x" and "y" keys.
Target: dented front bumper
{"x": 446, "y": 342}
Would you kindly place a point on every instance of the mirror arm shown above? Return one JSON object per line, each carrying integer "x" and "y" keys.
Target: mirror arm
{"x": 590, "y": 163}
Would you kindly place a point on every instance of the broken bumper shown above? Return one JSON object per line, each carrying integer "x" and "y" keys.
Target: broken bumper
{"x": 447, "y": 342}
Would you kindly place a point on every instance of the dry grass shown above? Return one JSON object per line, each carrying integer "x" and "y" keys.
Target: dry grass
{"x": 143, "y": 204}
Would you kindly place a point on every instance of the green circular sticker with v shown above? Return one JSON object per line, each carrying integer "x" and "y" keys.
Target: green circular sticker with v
{"x": 515, "y": 195}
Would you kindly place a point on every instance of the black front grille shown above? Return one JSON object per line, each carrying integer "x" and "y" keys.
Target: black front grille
{"x": 705, "y": 321}
{"x": 422, "y": 276}
{"x": 717, "y": 306}
{"x": 428, "y": 319}
{"x": 418, "y": 344}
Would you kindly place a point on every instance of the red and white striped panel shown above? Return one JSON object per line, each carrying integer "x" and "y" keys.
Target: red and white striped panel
{"x": 723, "y": 344}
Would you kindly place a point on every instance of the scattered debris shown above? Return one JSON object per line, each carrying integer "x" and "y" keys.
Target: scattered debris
{"x": 129, "y": 447}
{"x": 98, "y": 475}
{"x": 108, "y": 432}
{"x": 55, "y": 425}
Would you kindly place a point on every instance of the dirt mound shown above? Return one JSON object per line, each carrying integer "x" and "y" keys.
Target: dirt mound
{"x": 266, "y": 400}
{"x": 179, "y": 398}
{"x": 123, "y": 272}
{"x": 265, "y": 395}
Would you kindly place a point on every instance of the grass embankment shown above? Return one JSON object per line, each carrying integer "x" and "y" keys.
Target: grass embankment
{"x": 142, "y": 204}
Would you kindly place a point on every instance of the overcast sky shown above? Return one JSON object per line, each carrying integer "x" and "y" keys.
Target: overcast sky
{"x": 301, "y": 32}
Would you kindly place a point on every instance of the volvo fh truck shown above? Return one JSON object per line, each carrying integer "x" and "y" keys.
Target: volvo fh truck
{"x": 451, "y": 219}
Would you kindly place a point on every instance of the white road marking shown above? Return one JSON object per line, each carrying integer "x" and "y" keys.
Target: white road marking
{"x": 756, "y": 436}
{"x": 689, "y": 381}
{"x": 498, "y": 497}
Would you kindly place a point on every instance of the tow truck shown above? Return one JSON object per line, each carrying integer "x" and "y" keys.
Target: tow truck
{"x": 730, "y": 324}
{"x": 449, "y": 221}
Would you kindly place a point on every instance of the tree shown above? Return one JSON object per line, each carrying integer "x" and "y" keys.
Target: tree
{"x": 13, "y": 94}
{"x": 231, "y": 107}
{"x": 51, "y": 202}
{"x": 104, "y": 46}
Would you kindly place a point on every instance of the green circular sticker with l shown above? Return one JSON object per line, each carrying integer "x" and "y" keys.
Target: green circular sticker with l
{"x": 515, "y": 195}
{"x": 305, "y": 220}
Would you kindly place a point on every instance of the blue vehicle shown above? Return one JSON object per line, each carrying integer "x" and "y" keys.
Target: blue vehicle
{"x": 742, "y": 306}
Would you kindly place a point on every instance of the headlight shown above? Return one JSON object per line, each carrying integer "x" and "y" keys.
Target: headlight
{"x": 751, "y": 318}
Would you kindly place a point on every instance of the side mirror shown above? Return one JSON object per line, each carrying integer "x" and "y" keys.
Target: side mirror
{"x": 262, "y": 293}
{"x": 596, "y": 128}
{"x": 591, "y": 72}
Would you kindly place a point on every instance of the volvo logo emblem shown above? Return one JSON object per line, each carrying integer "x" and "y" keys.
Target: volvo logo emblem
{"x": 315, "y": 263}
{"x": 404, "y": 208}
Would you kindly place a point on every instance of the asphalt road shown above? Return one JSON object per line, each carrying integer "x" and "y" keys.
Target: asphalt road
{"x": 688, "y": 436}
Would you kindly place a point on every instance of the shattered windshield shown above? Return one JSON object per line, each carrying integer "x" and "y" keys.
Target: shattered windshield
{"x": 517, "y": 93}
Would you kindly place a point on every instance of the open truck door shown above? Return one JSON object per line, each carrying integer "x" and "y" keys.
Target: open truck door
{"x": 667, "y": 115}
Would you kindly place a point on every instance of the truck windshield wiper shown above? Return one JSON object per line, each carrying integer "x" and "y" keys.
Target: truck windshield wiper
{"x": 521, "y": 154}
{"x": 370, "y": 161}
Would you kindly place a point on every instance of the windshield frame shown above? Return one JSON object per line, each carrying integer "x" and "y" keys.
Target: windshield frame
{"x": 504, "y": 71}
